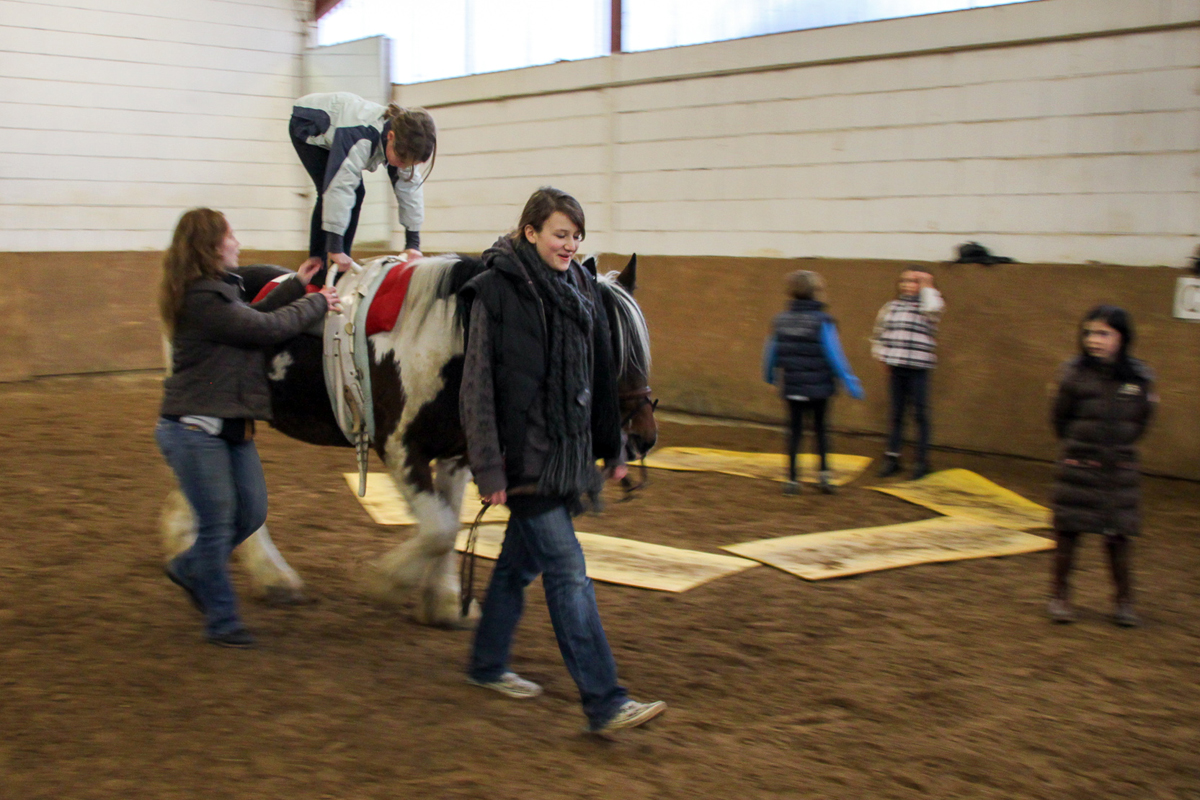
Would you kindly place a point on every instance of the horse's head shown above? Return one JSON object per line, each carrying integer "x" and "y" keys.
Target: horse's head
{"x": 631, "y": 349}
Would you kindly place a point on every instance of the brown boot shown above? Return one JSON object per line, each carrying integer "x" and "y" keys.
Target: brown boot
{"x": 1060, "y": 611}
{"x": 1059, "y": 607}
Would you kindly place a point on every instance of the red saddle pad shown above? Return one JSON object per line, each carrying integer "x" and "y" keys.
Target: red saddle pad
{"x": 385, "y": 307}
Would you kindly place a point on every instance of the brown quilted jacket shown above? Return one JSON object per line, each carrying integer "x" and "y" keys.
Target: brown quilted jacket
{"x": 1098, "y": 417}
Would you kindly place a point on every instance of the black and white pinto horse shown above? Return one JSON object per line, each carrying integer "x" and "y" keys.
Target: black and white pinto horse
{"x": 416, "y": 373}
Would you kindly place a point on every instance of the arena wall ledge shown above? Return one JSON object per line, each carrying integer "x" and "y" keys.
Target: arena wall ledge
{"x": 1006, "y": 331}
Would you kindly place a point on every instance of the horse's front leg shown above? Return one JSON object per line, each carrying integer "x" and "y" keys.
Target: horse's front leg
{"x": 426, "y": 563}
{"x": 271, "y": 578}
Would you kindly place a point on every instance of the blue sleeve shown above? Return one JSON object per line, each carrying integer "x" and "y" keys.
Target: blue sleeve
{"x": 832, "y": 346}
{"x": 768, "y": 362}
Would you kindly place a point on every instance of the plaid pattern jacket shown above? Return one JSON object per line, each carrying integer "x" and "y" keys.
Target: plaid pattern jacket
{"x": 906, "y": 331}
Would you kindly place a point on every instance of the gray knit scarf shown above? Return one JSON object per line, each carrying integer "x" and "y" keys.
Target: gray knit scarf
{"x": 570, "y": 467}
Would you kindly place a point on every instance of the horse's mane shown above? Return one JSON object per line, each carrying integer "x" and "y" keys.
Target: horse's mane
{"x": 630, "y": 331}
{"x": 438, "y": 278}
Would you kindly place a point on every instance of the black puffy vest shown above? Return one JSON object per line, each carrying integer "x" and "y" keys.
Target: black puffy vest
{"x": 518, "y": 330}
{"x": 798, "y": 351}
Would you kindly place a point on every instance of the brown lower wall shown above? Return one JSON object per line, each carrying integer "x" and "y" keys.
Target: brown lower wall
{"x": 1006, "y": 330}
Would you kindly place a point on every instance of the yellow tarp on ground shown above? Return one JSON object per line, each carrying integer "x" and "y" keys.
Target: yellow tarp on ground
{"x": 772, "y": 466}
{"x": 624, "y": 561}
{"x": 817, "y": 556}
{"x": 387, "y": 506}
{"x": 962, "y": 493}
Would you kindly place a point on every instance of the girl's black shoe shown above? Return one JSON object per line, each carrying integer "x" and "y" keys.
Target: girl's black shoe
{"x": 240, "y": 638}
{"x": 891, "y": 465}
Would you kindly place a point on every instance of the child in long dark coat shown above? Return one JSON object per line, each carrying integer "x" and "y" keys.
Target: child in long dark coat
{"x": 1105, "y": 400}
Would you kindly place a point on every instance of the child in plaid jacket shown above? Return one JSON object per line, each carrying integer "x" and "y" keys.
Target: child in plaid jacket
{"x": 905, "y": 340}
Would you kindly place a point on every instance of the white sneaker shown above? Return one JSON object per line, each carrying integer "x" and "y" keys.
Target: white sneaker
{"x": 630, "y": 715}
{"x": 510, "y": 684}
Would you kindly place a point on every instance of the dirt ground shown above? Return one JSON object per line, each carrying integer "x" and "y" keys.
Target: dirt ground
{"x": 934, "y": 681}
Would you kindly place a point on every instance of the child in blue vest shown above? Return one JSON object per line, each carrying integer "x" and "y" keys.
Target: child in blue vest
{"x": 804, "y": 356}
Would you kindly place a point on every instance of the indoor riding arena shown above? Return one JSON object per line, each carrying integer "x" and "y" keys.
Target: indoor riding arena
{"x": 799, "y": 655}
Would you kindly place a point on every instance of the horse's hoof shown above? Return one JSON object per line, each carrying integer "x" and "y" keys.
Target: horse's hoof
{"x": 454, "y": 620}
{"x": 284, "y": 596}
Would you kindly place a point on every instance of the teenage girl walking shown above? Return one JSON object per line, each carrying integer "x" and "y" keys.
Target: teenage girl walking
{"x": 804, "y": 355}
{"x": 905, "y": 340}
{"x": 539, "y": 405}
{"x": 339, "y": 136}
{"x": 1105, "y": 400}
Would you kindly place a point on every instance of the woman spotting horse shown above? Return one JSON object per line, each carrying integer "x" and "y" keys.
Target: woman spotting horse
{"x": 416, "y": 371}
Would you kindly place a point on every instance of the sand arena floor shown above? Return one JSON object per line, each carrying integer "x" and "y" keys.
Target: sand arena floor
{"x": 933, "y": 681}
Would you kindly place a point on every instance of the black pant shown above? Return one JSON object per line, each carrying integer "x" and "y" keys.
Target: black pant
{"x": 1120, "y": 555}
{"x": 798, "y": 409}
{"x": 909, "y": 387}
{"x": 315, "y": 160}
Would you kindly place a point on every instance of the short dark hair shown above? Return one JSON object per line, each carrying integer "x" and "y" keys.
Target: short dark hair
{"x": 544, "y": 202}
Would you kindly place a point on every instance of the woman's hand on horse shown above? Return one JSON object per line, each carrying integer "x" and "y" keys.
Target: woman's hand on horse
{"x": 331, "y": 297}
{"x": 497, "y": 498}
{"x": 309, "y": 268}
{"x": 343, "y": 261}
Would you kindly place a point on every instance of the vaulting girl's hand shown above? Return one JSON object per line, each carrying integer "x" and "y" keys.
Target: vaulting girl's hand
{"x": 343, "y": 261}
{"x": 332, "y": 299}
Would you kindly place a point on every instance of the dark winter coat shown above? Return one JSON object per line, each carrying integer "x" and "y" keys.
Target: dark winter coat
{"x": 799, "y": 352}
{"x": 1098, "y": 417}
{"x": 501, "y": 400}
{"x": 218, "y": 364}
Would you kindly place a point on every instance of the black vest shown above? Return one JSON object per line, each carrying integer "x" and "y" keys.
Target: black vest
{"x": 517, "y": 323}
{"x": 806, "y": 371}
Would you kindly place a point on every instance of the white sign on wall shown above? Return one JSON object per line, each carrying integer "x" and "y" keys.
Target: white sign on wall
{"x": 1187, "y": 298}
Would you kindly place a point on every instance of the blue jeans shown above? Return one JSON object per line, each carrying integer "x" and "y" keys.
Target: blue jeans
{"x": 224, "y": 483}
{"x": 909, "y": 386}
{"x": 546, "y": 544}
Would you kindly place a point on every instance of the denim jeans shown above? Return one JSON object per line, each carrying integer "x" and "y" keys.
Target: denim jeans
{"x": 909, "y": 386}
{"x": 546, "y": 544}
{"x": 224, "y": 483}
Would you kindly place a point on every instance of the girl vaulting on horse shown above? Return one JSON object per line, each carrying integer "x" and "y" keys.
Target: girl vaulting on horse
{"x": 539, "y": 405}
{"x": 216, "y": 389}
{"x": 338, "y": 136}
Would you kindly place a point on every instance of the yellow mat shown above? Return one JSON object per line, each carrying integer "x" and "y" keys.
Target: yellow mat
{"x": 817, "y": 556}
{"x": 387, "y": 506}
{"x": 962, "y": 493}
{"x": 624, "y": 561}
{"x": 772, "y": 466}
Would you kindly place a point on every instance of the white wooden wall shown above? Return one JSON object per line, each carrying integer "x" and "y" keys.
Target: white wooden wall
{"x": 1059, "y": 131}
{"x": 364, "y": 67}
{"x": 118, "y": 115}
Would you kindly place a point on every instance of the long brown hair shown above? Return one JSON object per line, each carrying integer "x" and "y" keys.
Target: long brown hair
{"x": 414, "y": 137}
{"x": 544, "y": 202}
{"x": 195, "y": 253}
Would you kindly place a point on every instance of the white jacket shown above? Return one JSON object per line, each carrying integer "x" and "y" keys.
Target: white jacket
{"x": 351, "y": 129}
